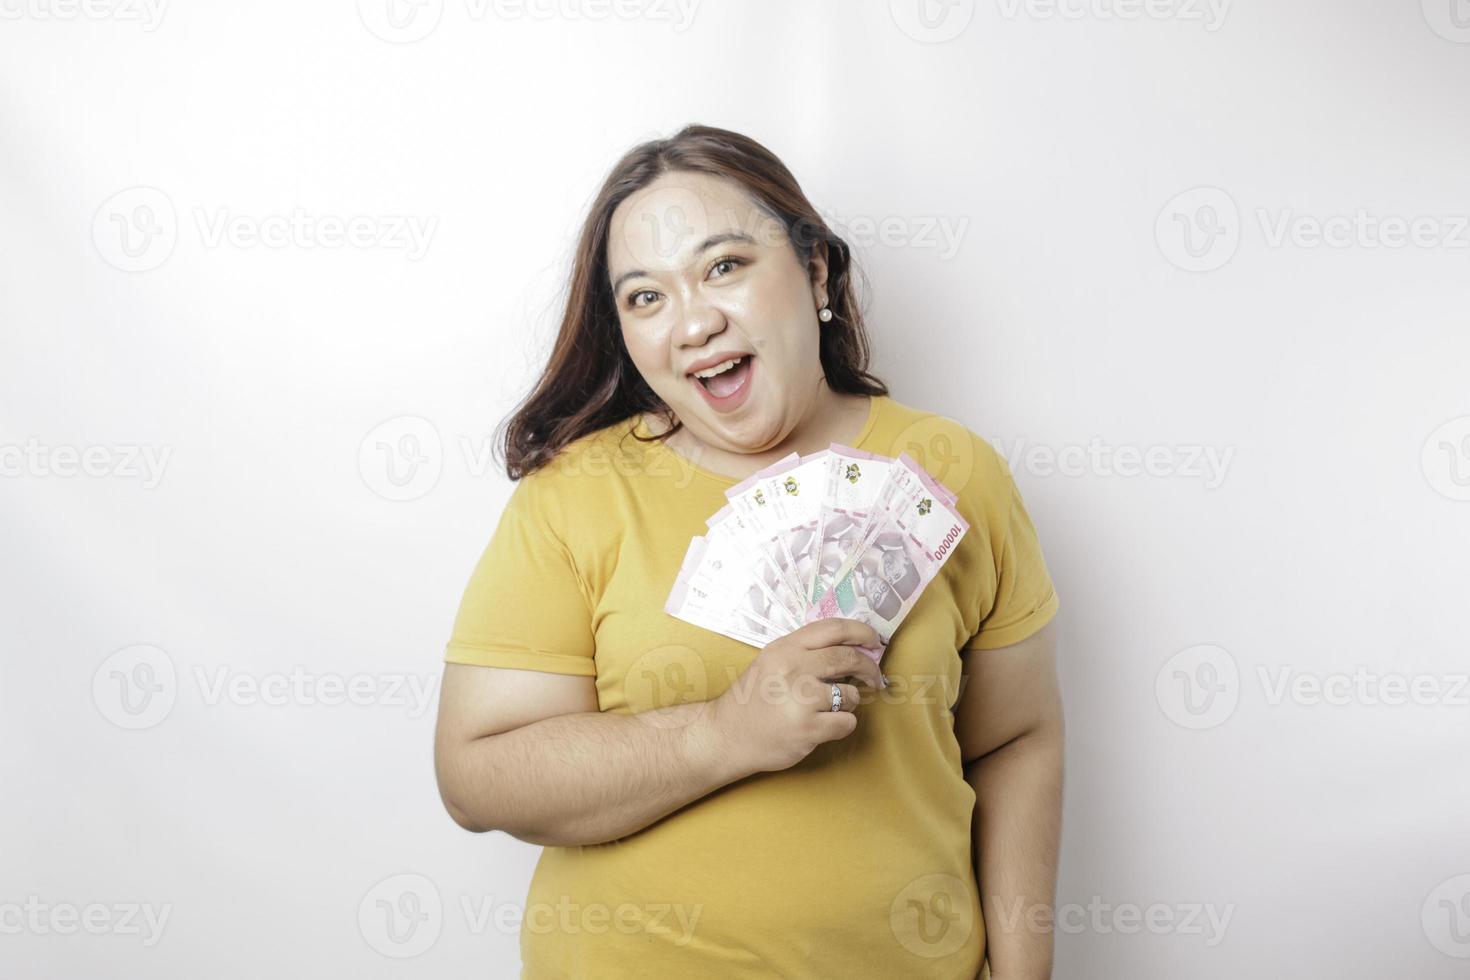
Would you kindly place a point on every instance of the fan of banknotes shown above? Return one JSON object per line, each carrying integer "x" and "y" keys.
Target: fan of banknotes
{"x": 839, "y": 532}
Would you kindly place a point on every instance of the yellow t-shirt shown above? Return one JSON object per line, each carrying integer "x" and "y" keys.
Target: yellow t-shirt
{"x": 854, "y": 863}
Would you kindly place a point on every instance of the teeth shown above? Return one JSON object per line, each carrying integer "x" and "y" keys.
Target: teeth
{"x": 720, "y": 368}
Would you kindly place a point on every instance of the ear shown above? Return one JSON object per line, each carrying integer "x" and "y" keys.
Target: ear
{"x": 816, "y": 270}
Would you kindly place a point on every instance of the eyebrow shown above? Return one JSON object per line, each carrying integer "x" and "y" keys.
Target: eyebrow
{"x": 708, "y": 243}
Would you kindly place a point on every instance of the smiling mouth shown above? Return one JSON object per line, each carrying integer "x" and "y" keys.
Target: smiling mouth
{"x": 727, "y": 382}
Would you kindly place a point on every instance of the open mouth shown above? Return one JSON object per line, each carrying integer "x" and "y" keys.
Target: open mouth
{"x": 728, "y": 381}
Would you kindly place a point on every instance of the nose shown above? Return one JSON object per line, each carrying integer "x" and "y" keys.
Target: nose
{"x": 701, "y": 321}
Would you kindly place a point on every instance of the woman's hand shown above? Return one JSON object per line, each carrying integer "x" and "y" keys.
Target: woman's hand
{"x": 780, "y": 708}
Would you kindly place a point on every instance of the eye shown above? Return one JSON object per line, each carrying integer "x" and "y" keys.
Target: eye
{"x": 632, "y": 299}
{"x": 727, "y": 260}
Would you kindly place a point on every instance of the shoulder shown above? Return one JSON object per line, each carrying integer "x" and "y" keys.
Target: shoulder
{"x": 577, "y": 475}
{"x": 954, "y": 454}
{"x": 584, "y": 454}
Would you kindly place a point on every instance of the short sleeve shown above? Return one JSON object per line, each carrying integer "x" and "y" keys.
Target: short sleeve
{"x": 525, "y": 606}
{"x": 1025, "y": 599}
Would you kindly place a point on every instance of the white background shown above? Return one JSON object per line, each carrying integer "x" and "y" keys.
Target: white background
{"x": 1083, "y": 309}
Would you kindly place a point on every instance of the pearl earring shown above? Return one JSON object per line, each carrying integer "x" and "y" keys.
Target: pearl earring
{"x": 824, "y": 314}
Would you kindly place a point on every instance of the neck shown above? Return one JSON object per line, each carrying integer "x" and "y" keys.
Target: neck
{"x": 832, "y": 418}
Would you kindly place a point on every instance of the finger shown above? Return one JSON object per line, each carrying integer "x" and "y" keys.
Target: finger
{"x": 850, "y": 697}
{"x": 822, "y": 701}
{"x": 835, "y": 724}
{"x": 838, "y": 631}
{"x": 816, "y": 693}
{"x": 839, "y": 662}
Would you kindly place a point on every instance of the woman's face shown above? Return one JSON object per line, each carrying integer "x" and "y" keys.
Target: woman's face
{"x": 698, "y": 271}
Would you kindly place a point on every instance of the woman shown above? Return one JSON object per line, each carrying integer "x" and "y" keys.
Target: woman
{"x": 705, "y": 811}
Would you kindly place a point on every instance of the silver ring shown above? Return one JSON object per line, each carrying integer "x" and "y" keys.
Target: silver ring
{"x": 836, "y": 698}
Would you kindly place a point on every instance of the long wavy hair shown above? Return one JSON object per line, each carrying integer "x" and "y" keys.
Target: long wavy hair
{"x": 590, "y": 381}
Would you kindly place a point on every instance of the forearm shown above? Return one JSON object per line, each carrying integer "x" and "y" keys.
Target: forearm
{"x": 587, "y": 778}
{"x": 1017, "y": 834}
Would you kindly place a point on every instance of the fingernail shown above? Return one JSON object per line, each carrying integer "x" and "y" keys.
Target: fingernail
{"x": 883, "y": 677}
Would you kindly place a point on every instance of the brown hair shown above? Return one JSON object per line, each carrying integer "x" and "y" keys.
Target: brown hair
{"x": 590, "y": 381}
